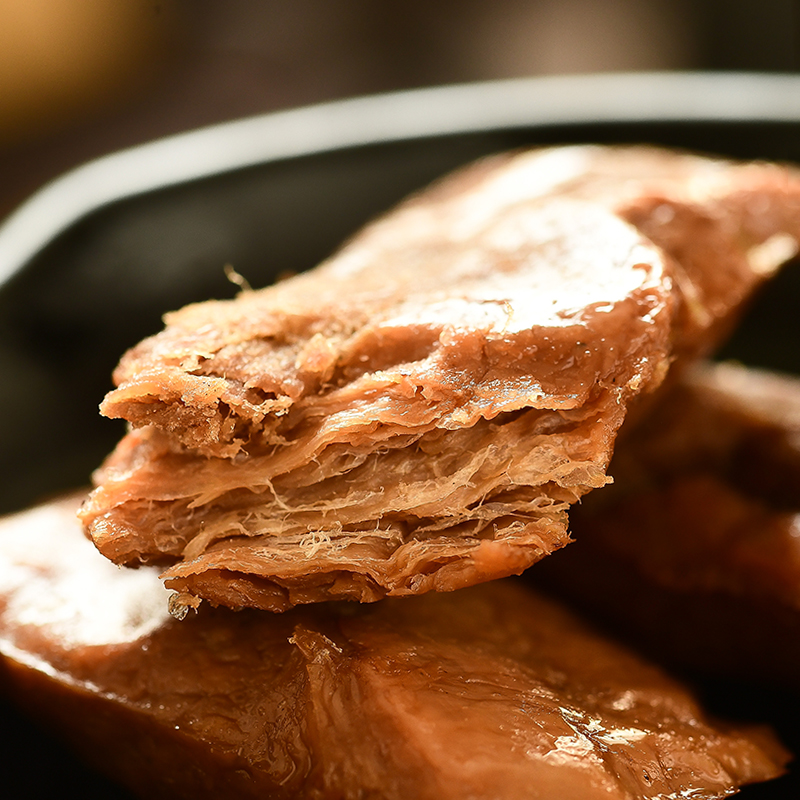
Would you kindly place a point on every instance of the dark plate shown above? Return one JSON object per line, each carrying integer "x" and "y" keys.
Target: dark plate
{"x": 90, "y": 263}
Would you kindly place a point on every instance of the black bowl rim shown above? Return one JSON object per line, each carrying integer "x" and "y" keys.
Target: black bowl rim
{"x": 492, "y": 106}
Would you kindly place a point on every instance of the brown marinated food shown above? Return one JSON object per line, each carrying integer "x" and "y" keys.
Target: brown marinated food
{"x": 420, "y": 411}
{"x": 703, "y": 528}
{"x": 490, "y": 692}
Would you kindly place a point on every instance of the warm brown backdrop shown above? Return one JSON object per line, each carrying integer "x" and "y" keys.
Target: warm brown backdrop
{"x": 81, "y": 79}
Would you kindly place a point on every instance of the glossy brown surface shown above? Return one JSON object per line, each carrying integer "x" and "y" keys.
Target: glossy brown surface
{"x": 419, "y": 412}
{"x": 490, "y": 692}
{"x": 702, "y": 527}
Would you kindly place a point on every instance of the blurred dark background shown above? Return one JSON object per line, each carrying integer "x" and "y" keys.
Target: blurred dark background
{"x": 80, "y": 79}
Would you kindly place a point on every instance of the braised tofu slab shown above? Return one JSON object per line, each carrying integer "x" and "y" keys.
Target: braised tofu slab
{"x": 488, "y": 692}
{"x": 695, "y": 551}
{"x": 420, "y": 412}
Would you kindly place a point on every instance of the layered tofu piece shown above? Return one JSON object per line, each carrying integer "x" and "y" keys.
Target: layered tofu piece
{"x": 420, "y": 411}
